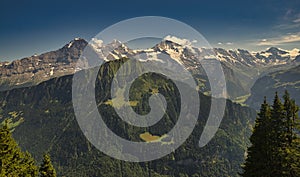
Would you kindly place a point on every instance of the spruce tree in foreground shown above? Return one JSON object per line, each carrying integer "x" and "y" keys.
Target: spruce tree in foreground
{"x": 275, "y": 149}
{"x": 13, "y": 162}
{"x": 47, "y": 169}
{"x": 291, "y": 148}
{"x": 258, "y": 155}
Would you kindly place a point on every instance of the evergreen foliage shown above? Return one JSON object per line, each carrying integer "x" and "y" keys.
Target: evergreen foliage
{"x": 47, "y": 169}
{"x": 13, "y": 161}
{"x": 275, "y": 149}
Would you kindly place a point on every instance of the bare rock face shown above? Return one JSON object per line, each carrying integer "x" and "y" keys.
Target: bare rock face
{"x": 38, "y": 68}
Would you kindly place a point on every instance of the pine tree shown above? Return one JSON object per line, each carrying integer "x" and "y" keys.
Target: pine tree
{"x": 257, "y": 160}
{"x": 291, "y": 150}
{"x": 277, "y": 137}
{"x": 275, "y": 149}
{"x": 47, "y": 169}
{"x": 12, "y": 160}
{"x": 289, "y": 116}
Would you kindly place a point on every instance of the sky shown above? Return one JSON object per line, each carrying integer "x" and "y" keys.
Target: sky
{"x": 34, "y": 26}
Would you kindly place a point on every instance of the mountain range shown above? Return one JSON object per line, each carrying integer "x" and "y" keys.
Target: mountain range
{"x": 241, "y": 67}
{"x": 40, "y": 87}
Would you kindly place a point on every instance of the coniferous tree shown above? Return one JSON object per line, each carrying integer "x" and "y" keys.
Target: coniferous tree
{"x": 289, "y": 116}
{"x": 47, "y": 169}
{"x": 277, "y": 136}
{"x": 12, "y": 160}
{"x": 291, "y": 150}
{"x": 257, "y": 160}
{"x": 275, "y": 149}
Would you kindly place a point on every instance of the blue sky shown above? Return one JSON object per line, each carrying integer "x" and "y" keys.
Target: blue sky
{"x": 29, "y": 27}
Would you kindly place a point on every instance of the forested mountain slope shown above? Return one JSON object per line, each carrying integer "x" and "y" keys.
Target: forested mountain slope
{"x": 50, "y": 126}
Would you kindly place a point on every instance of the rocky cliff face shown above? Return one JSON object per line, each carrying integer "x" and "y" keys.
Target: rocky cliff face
{"x": 35, "y": 69}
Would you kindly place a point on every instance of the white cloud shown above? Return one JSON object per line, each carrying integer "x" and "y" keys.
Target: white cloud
{"x": 180, "y": 41}
{"x": 288, "y": 26}
{"x": 227, "y": 43}
{"x": 288, "y": 38}
{"x": 296, "y": 20}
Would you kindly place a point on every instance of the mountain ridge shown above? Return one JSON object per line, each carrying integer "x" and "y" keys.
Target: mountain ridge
{"x": 270, "y": 50}
{"x": 241, "y": 67}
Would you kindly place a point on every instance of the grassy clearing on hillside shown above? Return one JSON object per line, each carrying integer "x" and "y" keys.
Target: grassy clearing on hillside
{"x": 148, "y": 137}
{"x": 241, "y": 99}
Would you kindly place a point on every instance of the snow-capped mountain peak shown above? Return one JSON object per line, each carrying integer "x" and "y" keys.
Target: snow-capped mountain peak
{"x": 76, "y": 40}
{"x": 182, "y": 50}
{"x": 180, "y": 41}
{"x": 294, "y": 53}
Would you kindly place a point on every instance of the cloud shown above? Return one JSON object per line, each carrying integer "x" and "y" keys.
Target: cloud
{"x": 291, "y": 20}
{"x": 296, "y": 20}
{"x": 180, "y": 41}
{"x": 288, "y": 38}
{"x": 288, "y": 14}
{"x": 227, "y": 43}
{"x": 288, "y": 26}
